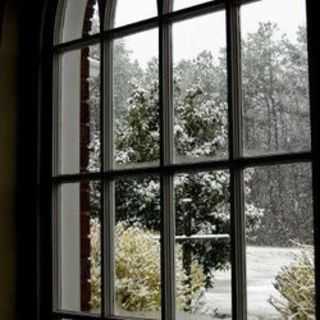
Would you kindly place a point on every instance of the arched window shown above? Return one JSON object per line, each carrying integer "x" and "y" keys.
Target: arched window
{"x": 182, "y": 161}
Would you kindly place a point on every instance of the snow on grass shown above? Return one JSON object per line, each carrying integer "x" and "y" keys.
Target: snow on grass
{"x": 263, "y": 264}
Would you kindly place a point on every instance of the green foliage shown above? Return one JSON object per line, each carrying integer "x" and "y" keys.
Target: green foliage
{"x": 296, "y": 285}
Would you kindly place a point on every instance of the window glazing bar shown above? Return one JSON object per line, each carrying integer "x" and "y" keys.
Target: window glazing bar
{"x": 238, "y": 239}
{"x": 238, "y": 251}
{"x": 168, "y": 249}
{"x": 85, "y": 316}
{"x": 194, "y": 11}
{"x": 78, "y": 43}
{"x": 185, "y": 167}
{"x": 108, "y": 185}
{"x": 240, "y": 2}
{"x": 167, "y": 189}
{"x": 75, "y": 315}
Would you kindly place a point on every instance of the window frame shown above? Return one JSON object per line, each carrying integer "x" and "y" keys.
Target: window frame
{"x": 235, "y": 163}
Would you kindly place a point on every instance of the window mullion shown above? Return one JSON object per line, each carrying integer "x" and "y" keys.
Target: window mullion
{"x": 108, "y": 212}
{"x": 239, "y": 292}
{"x": 167, "y": 248}
{"x": 239, "y": 299}
{"x": 167, "y": 187}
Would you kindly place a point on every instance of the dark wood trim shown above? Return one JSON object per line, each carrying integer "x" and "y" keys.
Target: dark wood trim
{"x": 2, "y": 8}
{"x": 33, "y": 225}
{"x": 313, "y": 27}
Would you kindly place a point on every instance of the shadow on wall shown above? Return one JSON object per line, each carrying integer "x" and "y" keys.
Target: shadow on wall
{"x": 8, "y": 99}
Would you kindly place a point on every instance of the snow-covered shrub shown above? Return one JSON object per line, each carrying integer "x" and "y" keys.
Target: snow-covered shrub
{"x": 296, "y": 285}
{"x": 95, "y": 263}
{"x": 188, "y": 288}
{"x": 137, "y": 270}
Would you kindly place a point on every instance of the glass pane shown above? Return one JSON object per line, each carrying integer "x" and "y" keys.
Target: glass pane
{"x": 181, "y": 4}
{"x": 75, "y": 19}
{"x": 136, "y": 100}
{"x": 203, "y": 271}
{"x": 275, "y": 77}
{"x": 128, "y": 11}
{"x": 78, "y": 117}
{"x": 78, "y": 253}
{"x": 280, "y": 266}
{"x": 137, "y": 248}
{"x": 200, "y": 89}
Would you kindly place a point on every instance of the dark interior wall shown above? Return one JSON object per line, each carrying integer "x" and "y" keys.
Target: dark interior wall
{"x": 32, "y": 205}
{"x": 8, "y": 102}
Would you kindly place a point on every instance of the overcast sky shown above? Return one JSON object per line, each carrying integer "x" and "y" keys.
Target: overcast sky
{"x": 206, "y": 32}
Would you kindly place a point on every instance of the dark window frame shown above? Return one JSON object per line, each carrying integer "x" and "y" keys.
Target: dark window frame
{"x": 40, "y": 169}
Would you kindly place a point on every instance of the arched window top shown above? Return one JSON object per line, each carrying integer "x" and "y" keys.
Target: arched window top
{"x": 78, "y": 18}
{"x": 75, "y": 19}
{"x": 182, "y": 4}
{"x": 128, "y": 11}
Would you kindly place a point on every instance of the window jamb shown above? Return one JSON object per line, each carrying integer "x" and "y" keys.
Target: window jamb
{"x": 313, "y": 47}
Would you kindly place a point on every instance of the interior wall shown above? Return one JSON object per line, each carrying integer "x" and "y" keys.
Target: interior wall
{"x": 8, "y": 102}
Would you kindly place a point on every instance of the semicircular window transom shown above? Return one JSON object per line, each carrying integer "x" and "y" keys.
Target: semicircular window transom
{"x": 76, "y": 19}
{"x": 128, "y": 11}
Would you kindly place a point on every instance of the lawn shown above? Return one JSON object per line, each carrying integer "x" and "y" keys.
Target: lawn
{"x": 263, "y": 264}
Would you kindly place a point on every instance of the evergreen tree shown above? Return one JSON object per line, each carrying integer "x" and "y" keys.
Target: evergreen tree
{"x": 276, "y": 120}
{"x": 202, "y": 199}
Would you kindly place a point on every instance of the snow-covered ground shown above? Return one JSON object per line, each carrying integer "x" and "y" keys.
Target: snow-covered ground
{"x": 263, "y": 264}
